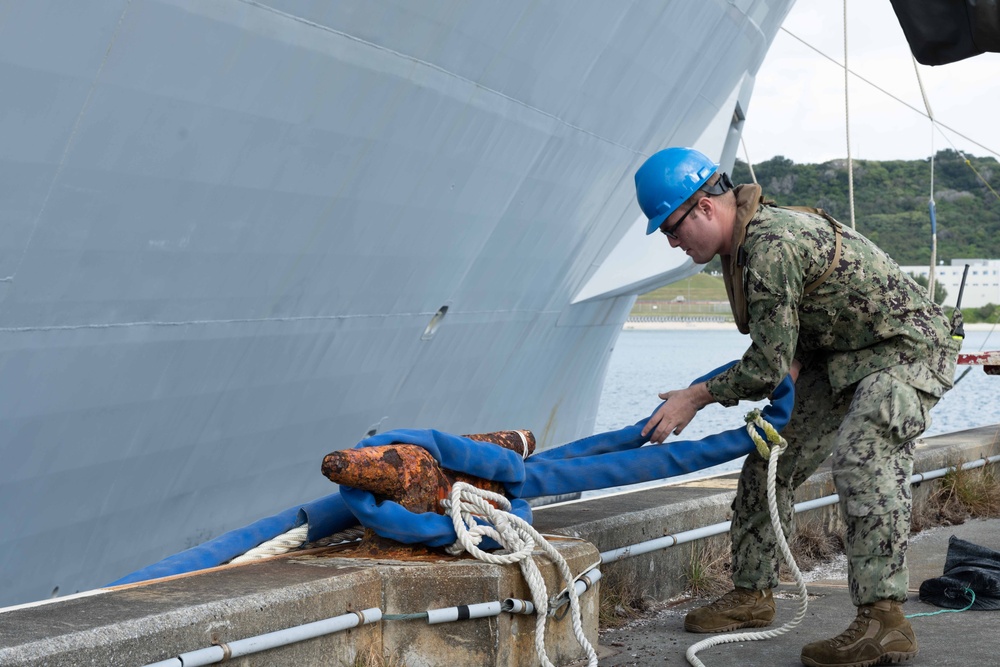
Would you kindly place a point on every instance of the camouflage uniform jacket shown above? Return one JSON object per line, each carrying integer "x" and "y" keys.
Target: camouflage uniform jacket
{"x": 865, "y": 317}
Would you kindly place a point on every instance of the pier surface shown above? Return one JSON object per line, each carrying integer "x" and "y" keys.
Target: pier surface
{"x": 962, "y": 638}
{"x": 159, "y": 620}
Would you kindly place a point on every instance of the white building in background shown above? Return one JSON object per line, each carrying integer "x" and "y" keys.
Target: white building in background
{"x": 981, "y": 287}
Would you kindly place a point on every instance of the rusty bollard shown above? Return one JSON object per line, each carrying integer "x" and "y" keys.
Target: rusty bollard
{"x": 516, "y": 441}
{"x": 409, "y": 475}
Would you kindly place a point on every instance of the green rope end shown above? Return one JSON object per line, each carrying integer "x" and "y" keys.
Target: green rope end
{"x": 968, "y": 591}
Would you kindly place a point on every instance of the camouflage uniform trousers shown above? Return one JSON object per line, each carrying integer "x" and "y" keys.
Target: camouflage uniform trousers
{"x": 870, "y": 435}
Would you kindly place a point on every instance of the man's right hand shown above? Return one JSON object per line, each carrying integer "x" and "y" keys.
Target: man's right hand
{"x": 680, "y": 408}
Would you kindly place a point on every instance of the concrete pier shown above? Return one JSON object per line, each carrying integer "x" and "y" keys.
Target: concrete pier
{"x": 156, "y": 621}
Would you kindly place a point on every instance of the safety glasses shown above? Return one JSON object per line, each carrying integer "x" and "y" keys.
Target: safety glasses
{"x": 721, "y": 186}
{"x": 671, "y": 231}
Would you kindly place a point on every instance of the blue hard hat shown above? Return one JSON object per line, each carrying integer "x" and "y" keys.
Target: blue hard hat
{"x": 667, "y": 179}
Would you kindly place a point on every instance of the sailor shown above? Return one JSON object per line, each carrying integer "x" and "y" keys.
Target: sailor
{"x": 870, "y": 354}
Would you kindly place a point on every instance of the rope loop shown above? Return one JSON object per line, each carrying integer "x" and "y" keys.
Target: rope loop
{"x": 466, "y": 505}
{"x": 754, "y": 418}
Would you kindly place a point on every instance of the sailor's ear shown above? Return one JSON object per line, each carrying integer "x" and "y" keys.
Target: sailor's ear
{"x": 706, "y": 206}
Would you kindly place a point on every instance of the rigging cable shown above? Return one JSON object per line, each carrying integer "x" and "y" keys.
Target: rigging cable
{"x": 935, "y": 125}
{"x": 931, "y": 205}
{"x": 969, "y": 164}
{"x": 753, "y": 176}
{"x": 887, "y": 93}
{"x": 847, "y": 125}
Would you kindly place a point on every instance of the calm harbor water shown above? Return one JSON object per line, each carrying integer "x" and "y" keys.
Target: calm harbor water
{"x": 644, "y": 363}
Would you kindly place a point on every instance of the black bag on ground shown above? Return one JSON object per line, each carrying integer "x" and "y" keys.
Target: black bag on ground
{"x": 967, "y": 565}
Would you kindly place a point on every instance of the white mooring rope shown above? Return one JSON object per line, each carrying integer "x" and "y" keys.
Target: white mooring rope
{"x": 519, "y": 539}
{"x": 281, "y": 544}
{"x": 778, "y": 446}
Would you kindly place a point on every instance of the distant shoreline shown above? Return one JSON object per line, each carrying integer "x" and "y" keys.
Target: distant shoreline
{"x": 684, "y": 325}
{"x": 678, "y": 324}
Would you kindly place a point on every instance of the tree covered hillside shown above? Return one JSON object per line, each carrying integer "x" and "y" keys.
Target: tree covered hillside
{"x": 890, "y": 201}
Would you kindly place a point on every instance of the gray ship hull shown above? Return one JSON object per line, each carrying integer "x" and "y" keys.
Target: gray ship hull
{"x": 228, "y": 227}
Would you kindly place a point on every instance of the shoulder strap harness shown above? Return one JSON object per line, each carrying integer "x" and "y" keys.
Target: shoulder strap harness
{"x": 748, "y": 201}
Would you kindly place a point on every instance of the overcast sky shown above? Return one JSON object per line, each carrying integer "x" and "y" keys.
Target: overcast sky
{"x": 797, "y": 108}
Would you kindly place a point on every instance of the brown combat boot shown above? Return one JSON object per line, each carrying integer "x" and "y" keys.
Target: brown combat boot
{"x": 880, "y": 635}
{"x": 739, "y": 608}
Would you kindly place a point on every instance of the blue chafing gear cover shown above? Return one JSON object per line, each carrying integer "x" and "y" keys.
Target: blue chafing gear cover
{"x": 456, "y": 452}
{"x": 618, "y": 458}
{"x": 622, "y": 439}
{"x": 325, "y": 516}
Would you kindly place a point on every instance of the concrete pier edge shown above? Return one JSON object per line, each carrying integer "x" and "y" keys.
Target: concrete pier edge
{"x": 141, "y": 624}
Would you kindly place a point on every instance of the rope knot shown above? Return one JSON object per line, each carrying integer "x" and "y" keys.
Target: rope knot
{"x": 517, "y": 536}
{"x": 755, "y": 419}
